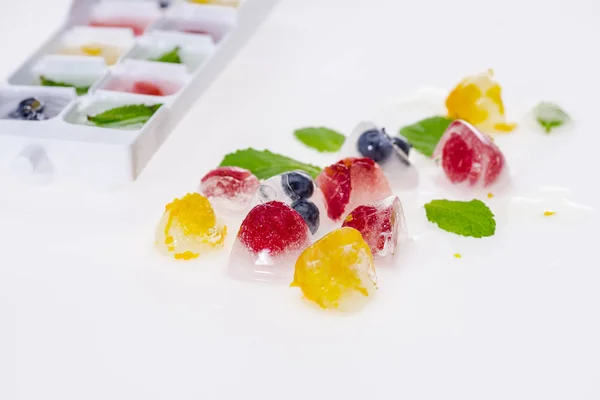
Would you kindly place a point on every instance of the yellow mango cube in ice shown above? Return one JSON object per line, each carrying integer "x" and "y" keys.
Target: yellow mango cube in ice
{"x": 337, "y": 272}
{"x": 189, "y": 228}
{"x": 477, "y": 99}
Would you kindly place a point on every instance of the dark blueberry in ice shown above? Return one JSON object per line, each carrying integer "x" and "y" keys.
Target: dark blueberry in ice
{"x": 375, "y": 145}
{"x": 30, "y": 109}
{"x": 309, "y": 212}
{"x": 297, "y": 185}
{"x": 402, "y": 144}
{"x": 164, "y": 3}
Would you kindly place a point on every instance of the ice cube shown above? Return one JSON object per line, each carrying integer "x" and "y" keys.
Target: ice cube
{"x": 230, "y": 188}
{"x": 470, "y": 157}
{"x": 389, "y": 151}
{"x": 337, "y": 272}
{"x": 382, "y": 225}
{"x": 352, "y": 182}
{"x": 298, "y": 190}
{"x": 268, "y": 243}
{"x": 189, "y": 228}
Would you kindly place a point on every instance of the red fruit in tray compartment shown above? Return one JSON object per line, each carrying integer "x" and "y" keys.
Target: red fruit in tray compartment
{"x": 352, "y": 182}
{"x": 468, "y": 155}
{"x": 137, "y": 29}
{"x": 148, "y": 88}
{"x": 380, "y": 224}
{"x": 274, "y": 228}
{"x": 232, "y": 183}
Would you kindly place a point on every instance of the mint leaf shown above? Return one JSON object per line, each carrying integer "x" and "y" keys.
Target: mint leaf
{"x": 124, "y": 116}
{"x": 425, "y": 134}
{"x": 467, "y": 218}
{"x": 81, "y": 90}
{"x": 169, "y": 57}
{"x": 550, "y": 116}
{"x": 321, "y": 139}
{"x": 265, "y": 164}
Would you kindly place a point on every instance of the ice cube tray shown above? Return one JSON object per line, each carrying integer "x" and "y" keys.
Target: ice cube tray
{"x": 108, "y": 49}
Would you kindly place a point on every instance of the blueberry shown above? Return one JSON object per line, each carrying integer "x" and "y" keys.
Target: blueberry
{"x": 164, "y": 3}
{"x": 30, "y": 109}
{"x": 402, "y": 144}
{"x": 375, "y": 145}
{"x": 309, "y": 212}
{"x": 297, "y": 185}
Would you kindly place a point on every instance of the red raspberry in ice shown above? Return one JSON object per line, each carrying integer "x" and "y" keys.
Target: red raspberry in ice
{"x": 335, "y": 183}
{"x": 380, "y": 224}
{"x": 468, "y": 155}
{"x": 232, "y": 183}
{"x": 274, "y": 228}
{"x": 352, "y": 182}
{"x": 148, "y": 88}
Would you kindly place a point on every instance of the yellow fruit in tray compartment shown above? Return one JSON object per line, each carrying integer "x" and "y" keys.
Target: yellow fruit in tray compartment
{"x": 337, "y": 271}
{"x": 231, "y": 3}
{"x": 189, "y": 228}
{"x": 477, "y": 99}
{"x": 110, "y": 53}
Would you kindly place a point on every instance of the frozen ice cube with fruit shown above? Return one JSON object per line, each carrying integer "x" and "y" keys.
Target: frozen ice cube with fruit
{"x": 268, "y": 243}
{"x": 189, "y": 228}
{"x": 382, "y": 225}
{"x": 350, "y": 183}
{"x": 470, "y": 157}
{"x": 337, "y": 272}
{"x": 390, "y": 152}
{"x": 230, "y": 187}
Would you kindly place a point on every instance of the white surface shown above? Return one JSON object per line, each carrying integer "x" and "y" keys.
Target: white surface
{"x": 89, "y": 310}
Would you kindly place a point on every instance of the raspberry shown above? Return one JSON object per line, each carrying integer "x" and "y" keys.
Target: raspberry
{"x": 335, "y": 182}
{"x": 231, "y": 183}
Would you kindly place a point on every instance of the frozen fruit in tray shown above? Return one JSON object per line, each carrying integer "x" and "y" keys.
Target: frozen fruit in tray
{"x": 368, "y": 140}
{"x": 145, "y": 87}
{"x": 298, "y": 190}
{"x": 337, "y": 271}
{"x": 189, "y": 228}
{"x": 30, "y": 109}
{"x": 135, "y": 115}
{"x": 231, "y": 185}
{"x": 469, "y": 156}
{"x": 352, "y": 182}
{"x": 137, "y": 27}
{"x": 155, "y": 87}
{"x": 477, "y": 99}
{"x": 269, "y": 241}
{"x": 231, "y": 3}
{"x": 110, "y": 53}
{"x": 381, "y": 225}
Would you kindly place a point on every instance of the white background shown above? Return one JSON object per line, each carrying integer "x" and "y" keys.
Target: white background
{"x": 89, "y": 310}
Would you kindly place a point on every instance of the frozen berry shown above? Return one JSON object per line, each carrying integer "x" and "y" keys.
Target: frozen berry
{"x": 164, "y": 3}
{"x": 297, "y": 185}
{"x": 335, "y": 182}
{"x": 309, "y": 212}
{"x": 402, "y": 144}
{"x": 231, "y": 183}
{"x": 147, "y": 88}
{"x": 30, "y": 109}
{"x": 273, "y": 228}
{"x": 375, "y": 144}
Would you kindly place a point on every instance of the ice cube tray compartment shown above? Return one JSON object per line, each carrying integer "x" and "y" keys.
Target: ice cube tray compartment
{"x": 66, "y": 146}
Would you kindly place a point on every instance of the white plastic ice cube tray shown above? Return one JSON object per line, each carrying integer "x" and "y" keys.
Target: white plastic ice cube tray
{"x": 65, "y": 146}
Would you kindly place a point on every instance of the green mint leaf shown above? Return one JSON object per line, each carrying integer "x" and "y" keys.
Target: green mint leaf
{"x": 467, "y": 218}
{"x": 321, "y": 139}
{"x": 550, "y": 116}
{"x": 265, "y": 164}
{"x": 81, "y": 90}
{"x": 169, "y": 57}
{"x": 425, "y": 134}
{"x": 124, "y": 116}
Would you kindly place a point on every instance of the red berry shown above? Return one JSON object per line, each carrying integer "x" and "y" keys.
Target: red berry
{"x": 148, "y": 88}
{"x": 335, "y": 183}
{"x": 458, "y": 159}
{"x": 274, "y": 228}
{"x": 371, "y": 223}
{"x": 229, "y": 182}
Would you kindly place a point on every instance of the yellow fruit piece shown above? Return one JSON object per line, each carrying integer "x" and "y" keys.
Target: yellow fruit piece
{"x": 92, "y": 49}
{"x": 337, "y": 270}
{"x": 477, "y": 99}
{"x": 549, "y": 213}
{"x": 189, "y": 228}
{"x": 232, "y": 3}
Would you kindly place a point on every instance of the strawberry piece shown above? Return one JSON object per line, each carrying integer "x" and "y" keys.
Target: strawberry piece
{"x": 137, "y": 29}
{"x": 232, "y": 183}
{"x": 467, "y": 155}
{"x": 273, "y": 228}
{"x": 147, "y": 88}
{"x": 335, "y": 183}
